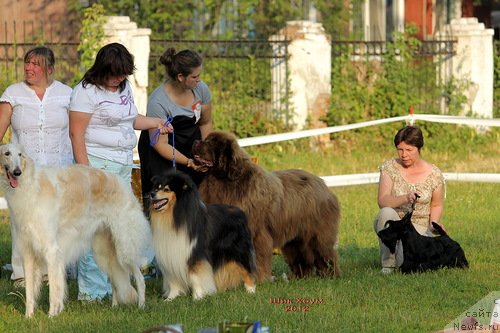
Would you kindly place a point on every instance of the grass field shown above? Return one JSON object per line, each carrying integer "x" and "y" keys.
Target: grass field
{"x": 362, "y": 300}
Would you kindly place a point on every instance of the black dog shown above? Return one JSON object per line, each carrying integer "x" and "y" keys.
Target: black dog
{"x": 421, "y": 253}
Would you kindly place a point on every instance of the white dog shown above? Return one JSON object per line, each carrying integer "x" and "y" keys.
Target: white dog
{"x": 59, "y": 213}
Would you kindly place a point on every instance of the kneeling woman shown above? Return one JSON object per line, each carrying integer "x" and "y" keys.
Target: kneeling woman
{"x": 403, "y": 181}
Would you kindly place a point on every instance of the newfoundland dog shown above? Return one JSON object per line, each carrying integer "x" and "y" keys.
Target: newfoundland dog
{"x": 291, "y": 209}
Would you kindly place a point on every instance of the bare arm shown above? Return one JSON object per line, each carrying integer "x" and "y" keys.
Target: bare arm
{"x": 78, "y": 123}
{"x": 386, "y": 199}
{"x": 167, "y": 151}
{"x": 206, "y": 120}
{"x": 437, "y": 204}
{"x": 147, "y": 123}
{"x": 5, "y": 118}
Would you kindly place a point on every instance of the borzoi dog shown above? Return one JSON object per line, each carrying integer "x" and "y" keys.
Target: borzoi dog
{"x": 59, "y": 213}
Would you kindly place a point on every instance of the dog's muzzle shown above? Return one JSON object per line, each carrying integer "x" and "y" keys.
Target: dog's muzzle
{"x": 159, "y": 204}
{"x": 13, "y": 181}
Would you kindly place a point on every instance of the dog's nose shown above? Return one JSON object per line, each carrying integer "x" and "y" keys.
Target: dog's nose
{"x": 17, "y": 172}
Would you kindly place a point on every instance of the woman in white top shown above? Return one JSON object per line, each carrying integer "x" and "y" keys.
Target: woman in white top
{"x": 103, "y": 120}
{"x": 37, "y": 111}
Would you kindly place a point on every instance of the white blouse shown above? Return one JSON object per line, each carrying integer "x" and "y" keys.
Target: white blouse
{"x": 41, "y": 126}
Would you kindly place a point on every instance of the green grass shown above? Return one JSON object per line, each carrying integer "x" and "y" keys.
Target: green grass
{"x": 362, "y": 300}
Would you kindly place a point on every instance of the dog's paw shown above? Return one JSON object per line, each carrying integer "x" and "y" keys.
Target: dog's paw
{"x": 168, "y": 297}
{"x": 55, "y": 310}
{"x": 198, "y": 296}
{"x": 29, "y": 314}
{"x": 250, "y": 289}
{"x": 200, "y": 293}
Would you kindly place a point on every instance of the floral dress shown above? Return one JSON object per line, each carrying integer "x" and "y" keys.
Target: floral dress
{"x": 401, "y": 186}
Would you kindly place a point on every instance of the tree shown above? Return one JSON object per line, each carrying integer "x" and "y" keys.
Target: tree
{"x": 225, "y": 19}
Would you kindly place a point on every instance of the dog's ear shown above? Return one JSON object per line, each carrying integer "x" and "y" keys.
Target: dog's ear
{"x": 389, "y": 236}
{"x": 230, "y": 155}
{"x": 438, "y": 228}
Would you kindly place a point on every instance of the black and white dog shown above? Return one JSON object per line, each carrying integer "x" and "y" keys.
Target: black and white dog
{"x": 199, "y": 248}
{"x": 421, "y": 253}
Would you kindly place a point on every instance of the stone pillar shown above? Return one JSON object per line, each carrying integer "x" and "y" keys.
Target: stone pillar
{"x": 474, "y": 62}
{"x": 120, "y": 29}
{"x": 309, "y": 69}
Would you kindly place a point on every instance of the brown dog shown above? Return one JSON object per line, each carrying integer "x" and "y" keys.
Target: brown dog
{"x": 291, "y": 209}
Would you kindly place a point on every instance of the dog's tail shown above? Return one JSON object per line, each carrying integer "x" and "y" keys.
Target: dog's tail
{"x": 130, "y": 234}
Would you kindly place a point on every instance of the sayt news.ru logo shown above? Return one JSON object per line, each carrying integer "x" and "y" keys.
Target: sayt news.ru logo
{"x": 482, "y": 316}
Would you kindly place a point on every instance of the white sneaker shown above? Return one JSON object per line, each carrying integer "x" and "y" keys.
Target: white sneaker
{"x": 387, "y": 270}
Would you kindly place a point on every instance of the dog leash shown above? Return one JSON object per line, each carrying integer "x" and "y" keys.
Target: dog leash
{"x": 414, "y": 203}
{"x": 155, "y": 137}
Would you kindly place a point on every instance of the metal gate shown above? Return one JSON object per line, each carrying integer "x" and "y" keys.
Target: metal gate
{"x": 242, "y": 76}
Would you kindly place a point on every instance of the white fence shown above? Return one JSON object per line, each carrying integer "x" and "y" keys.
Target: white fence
{"x": 372, "y": 178}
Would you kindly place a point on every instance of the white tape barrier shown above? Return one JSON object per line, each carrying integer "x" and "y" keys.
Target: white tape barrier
{"x": 372, "y": 178}
{"x": 245, "y": 142}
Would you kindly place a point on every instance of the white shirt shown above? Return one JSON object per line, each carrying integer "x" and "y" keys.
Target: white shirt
{"x": 110, "y": 134}
{"x": 41, "y": 126}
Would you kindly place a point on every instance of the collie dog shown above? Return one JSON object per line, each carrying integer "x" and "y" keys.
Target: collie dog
{"x": 60, "y": 213}
{"x": 202, "y": 248}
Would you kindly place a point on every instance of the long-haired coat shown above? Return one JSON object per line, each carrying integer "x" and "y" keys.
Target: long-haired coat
{"x": 202, "y": 248}
{"x": 291, "y": 209}
{"x": 60, "y": 213}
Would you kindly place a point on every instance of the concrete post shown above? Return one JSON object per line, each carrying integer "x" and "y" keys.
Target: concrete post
{"x": 474, "y": 62}
{"x": 121, "y": 30}
{"x": 309, "y": 68}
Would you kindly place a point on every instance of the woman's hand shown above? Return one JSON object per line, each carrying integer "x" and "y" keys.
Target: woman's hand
{"x": 200, "y": 168}
{"x": 165, "y": 127}
{"x": 412, "y": 197}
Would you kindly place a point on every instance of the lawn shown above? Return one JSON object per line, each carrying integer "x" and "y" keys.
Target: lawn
{"x": 362, "y": 300}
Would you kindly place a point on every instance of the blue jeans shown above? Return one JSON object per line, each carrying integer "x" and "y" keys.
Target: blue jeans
{"x": 94, "y": 284}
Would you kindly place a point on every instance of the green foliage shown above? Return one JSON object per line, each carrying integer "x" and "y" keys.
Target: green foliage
{"x": 5, "y": 79}
{"x": 91, "y": 35}
{"x": 388, "y": 85}
{"x": 336, "y": 17}
{"x": 496, "y": 80}
{"x": 222, "y": 19}
{"x": 240, "y": 82}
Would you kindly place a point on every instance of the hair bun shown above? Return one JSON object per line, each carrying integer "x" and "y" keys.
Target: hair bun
{"x": 168, "y": 56}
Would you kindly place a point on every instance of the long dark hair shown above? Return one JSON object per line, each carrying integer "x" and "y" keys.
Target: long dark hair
{"x": 182, "y": 62}
{"x": 112, "y": 60}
